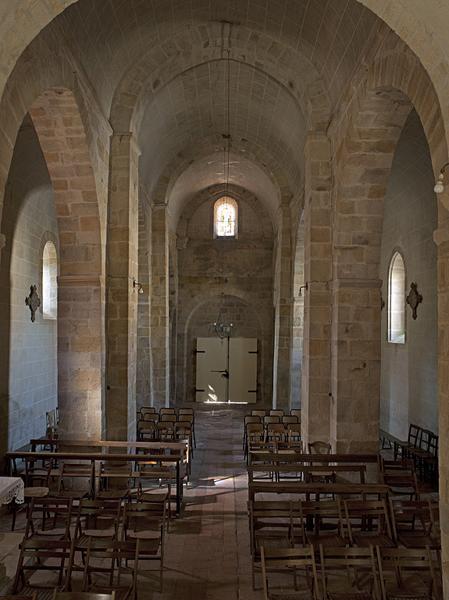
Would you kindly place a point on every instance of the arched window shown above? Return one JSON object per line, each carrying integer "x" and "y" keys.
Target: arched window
{"x": 49, "y": 281}
{"x": 396, "y": 300}
{"x": 225, "y": 217}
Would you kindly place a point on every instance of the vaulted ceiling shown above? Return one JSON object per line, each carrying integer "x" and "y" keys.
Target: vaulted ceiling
{"x": 158, "y": 68}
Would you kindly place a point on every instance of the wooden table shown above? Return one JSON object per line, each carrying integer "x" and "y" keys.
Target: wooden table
{"x": 178, "y": 459}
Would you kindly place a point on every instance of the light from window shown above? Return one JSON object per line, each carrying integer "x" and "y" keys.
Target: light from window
{"x": 225, "y": 217}
{"x": 396, "y": 300}
{"x": 49, "y": 281}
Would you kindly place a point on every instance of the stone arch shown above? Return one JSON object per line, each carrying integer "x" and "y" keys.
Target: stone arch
{"x": 199, "y": 306}
{"x": 61, "y": 134}
{"x": 395, "y": 83}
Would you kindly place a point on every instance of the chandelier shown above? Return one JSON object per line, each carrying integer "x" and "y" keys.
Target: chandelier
{"x": 221, "y": 328}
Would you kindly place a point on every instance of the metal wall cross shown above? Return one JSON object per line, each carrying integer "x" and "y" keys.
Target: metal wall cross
{"x": 33, "y": 301}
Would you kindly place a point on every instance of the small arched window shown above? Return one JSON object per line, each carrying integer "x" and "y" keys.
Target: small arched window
{"x": 49, "y": 281}
{"x": 396, "y": 300}
{"x": 225, "y": 217}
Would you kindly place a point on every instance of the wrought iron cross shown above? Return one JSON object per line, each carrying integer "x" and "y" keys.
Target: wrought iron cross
{"x": 413, "y": 299}
{"x": 33, "y": 301}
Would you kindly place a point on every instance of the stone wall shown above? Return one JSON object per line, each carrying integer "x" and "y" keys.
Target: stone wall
{"x": 409, "y": 371}
{"x": 28, "y": 373}
{"x": 241, "y": 269}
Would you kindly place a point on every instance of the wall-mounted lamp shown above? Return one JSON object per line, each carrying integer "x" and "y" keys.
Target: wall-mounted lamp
{"x": 439, "y": 185}
{"x": 138, "y": 285}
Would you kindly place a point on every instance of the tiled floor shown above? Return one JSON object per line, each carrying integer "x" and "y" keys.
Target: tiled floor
{"x": 207, "y": 550}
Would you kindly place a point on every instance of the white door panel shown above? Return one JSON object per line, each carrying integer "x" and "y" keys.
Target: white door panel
{"x": 243, "y": 370}
{"x": 211, "y": 358}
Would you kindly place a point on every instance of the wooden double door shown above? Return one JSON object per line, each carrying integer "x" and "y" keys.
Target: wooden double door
{"x": 226, "y": 370}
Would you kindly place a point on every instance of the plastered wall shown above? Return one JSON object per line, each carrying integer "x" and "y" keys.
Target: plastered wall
{"x": 29, "y": 368}
{"x": 409, "y": 371}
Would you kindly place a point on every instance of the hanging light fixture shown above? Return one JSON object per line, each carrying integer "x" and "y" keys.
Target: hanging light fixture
{"x": 221, "y": 328}
{"x": 439, "y": 185}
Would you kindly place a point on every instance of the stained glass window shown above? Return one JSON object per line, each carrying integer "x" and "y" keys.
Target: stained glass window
{"x": 225, "y": 217}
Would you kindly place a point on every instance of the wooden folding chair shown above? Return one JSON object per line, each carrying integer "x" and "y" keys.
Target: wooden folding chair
{"x": 290, "y": 563}
{"x": 49, "y": 518}
{"x": 349, "y": 573}
{"x": 97, "y": 518}
{"x": 276, "y": 413}
{"x": 41, "y": 555}
{"x": 106, "y": 562}
{"x": 407, "y": 573}
{"x": 82, "y": 473}
{"x": 271, "y": 525}
{"x": 321, "y": 522}
{"x": 145, "y": 521}
{"x": 368, "y": 523}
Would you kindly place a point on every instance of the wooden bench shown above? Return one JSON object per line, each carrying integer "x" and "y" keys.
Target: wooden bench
{"x": 308, "y": 489}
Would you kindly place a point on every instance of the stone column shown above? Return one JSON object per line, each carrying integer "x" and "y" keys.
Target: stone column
{"x": 80, "y": 356}
{"x": 160, "y": 335}
{"x": 355, "y": 364}
{"x": 316, "y": 366}
{"x": 144, "y": 384}
{"x": 283, "y": 311}
{"x": 121, "y": 294}
{"x": 441, "y": 237}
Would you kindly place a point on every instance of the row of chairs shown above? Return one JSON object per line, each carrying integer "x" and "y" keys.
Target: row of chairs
{"x": 276, "y": 412}
{"x": 344, "y": 524}
{"x": 422, "y": 448}
{"x": 372, "y": 573}
{"x": 57, "y": 531}
{"x": 167, "y": 425}
{"x": 75, "y": 481}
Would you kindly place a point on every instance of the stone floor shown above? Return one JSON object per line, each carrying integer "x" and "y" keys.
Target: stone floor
{"x": 207, "y": 550}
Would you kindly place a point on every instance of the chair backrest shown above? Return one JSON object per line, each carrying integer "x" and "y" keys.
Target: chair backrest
{"x": 186, "y": 418}
{"x": 258, "y": 412}
{"x": 287, "y": 419}
{"x": 143, "y": 516}
{"x": 271, "y": 419}
{"x": 289, "y": 560}
{"x": 276, "y": 413}
{"x": 254, "y": 429}
{"x": 46, "y": 515}
{"x": 69, "y": 470}
{"x": 414, "y": 435}
{"x": 168, "y": 417}
{"x": 296, "y": 412}
{"x": 252, "y": 419}
{"x": 147, "y": 417}
{"x": 167, "y": 411}
{"x": 186, "y": 411}
{"x": 99, "y": 515}
{"x": 347, "y": 562}
{"x": 319, "y": 447}
{"x": 144, "y": 410}
{"x": 367, "y": 515}
{"x": 325, "y": 514}
{"x": 411, "y": 516}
